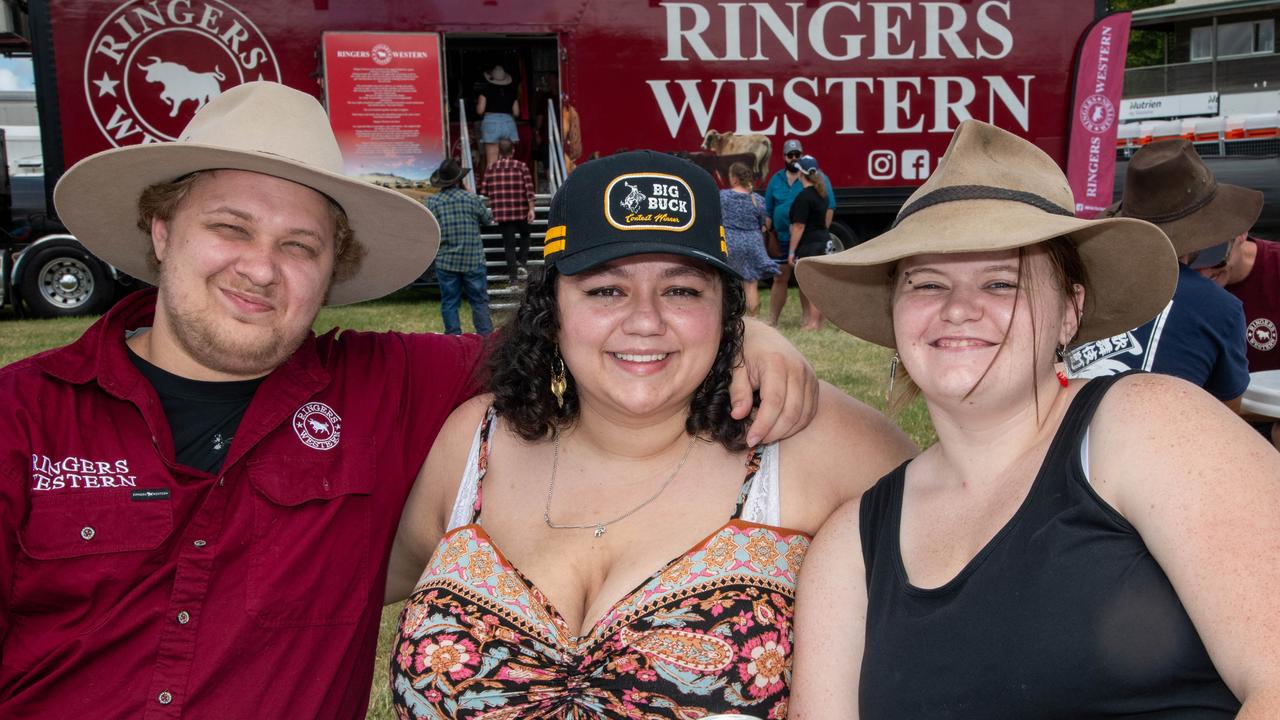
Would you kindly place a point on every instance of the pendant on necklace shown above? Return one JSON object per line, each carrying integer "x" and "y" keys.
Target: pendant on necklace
{"x": 599, "y": 529}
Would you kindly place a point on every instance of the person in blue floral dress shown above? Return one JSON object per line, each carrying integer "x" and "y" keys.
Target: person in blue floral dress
{"x": 744, "y": 221}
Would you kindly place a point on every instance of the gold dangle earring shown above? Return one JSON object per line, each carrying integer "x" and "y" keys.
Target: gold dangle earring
{"x": 558, "y": 382}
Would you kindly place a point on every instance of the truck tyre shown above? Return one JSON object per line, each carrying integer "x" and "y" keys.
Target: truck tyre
{"x": 842, "y": 236}
{"x": 61, "y": 278}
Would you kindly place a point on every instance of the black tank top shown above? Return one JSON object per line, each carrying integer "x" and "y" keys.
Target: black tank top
{"x": 1064, "y": 614}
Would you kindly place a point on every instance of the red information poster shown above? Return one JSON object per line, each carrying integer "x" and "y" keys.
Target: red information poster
{"x": 385, "y": 104}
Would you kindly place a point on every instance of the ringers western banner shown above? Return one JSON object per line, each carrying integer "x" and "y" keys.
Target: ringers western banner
{"x": 384, "y": 97}
{"x": 1091, "y": 159}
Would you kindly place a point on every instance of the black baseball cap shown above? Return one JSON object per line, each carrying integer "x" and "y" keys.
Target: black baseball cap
{"x": 635, "y": 203}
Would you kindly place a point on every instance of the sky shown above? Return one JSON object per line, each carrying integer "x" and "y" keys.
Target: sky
{"x": 16, "y": 74}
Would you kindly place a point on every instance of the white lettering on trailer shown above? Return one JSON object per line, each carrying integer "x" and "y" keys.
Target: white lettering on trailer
{"x": 955, "y": 98}
{"x": 884, "y": 24}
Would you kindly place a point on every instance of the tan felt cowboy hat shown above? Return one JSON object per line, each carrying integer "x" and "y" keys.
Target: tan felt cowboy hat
{"x": 1168, "y": 184}
{"x": 261, "y": 127}
{"x": 996, "y": 191}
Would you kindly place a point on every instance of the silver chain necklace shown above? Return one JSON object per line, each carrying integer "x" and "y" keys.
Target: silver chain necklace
{"x": 601, "y": 527}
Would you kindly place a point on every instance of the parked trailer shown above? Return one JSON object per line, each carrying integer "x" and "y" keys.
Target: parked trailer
{"x": 872, "y": 88}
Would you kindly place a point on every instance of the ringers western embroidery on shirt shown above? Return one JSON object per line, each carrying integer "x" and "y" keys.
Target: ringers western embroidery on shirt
{"x": 77, "y": 473}
{"x": 649, "y": 201}
{"x": 317, "y": 426}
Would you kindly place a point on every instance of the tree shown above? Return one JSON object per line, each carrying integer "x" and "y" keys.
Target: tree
{"x": 1146, "y": 47}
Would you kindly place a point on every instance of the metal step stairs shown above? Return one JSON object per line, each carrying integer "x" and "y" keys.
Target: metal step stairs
{"x": 501, "y": 295}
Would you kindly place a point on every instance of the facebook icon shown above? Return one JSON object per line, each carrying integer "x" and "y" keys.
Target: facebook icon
{"x": 915, "y": 164}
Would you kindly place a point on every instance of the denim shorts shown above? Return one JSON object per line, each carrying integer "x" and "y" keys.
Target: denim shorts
{"x": 495, "y": 126}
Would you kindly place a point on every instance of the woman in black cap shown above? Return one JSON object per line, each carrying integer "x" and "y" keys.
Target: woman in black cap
{"x": 648, "y": 556}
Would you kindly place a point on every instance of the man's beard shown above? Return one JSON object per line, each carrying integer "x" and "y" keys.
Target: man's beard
{"x": 793, "y": 167}
{"x": 221, "y": 349}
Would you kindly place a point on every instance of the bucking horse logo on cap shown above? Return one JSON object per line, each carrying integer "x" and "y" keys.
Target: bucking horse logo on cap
{"x": 649, "y": 201}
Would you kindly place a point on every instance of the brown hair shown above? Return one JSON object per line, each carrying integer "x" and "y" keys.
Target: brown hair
{"x": 161, "y": 202}
{"x": 740, "y": 174}
{"x": 1067, "y": 269}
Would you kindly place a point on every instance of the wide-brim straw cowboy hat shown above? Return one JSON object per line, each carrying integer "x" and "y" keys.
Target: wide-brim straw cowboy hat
{"x": 261, "y": 127}
{"x": 1169, "y": 185}
{"x": 996, "y": 191}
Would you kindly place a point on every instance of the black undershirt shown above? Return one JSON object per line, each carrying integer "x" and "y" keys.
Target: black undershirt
{"x": 203, "y": 415}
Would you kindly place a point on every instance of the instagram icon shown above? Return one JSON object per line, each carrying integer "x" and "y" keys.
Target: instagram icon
{"x": 882, "y": 164}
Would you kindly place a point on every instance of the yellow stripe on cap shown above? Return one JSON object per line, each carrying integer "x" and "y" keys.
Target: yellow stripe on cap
{"x": 724, "y": 249}
{"x": 554, "y": 240}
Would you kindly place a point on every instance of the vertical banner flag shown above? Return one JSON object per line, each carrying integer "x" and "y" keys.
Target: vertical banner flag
{"x": 1091, "y": 158}
{"x": 385, "y": 104}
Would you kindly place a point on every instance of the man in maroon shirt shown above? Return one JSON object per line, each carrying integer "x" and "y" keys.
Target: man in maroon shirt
{"x": 509, "y": 187}
{"x": 1250, "y": 270}
{"x": 197, "y": 497}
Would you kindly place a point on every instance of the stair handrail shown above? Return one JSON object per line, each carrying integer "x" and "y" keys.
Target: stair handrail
{"x": 556, "y": 171}
{"x": 469, "y": 180}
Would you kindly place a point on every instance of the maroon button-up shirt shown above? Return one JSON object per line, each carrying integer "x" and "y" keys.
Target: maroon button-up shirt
{"x": 134, "y": 587}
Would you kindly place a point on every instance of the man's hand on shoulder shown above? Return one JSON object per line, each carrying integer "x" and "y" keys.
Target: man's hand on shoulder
{"x": 786, "y": 382}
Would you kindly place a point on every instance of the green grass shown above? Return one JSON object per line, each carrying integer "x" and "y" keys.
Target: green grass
{"x": 859, "y": 368}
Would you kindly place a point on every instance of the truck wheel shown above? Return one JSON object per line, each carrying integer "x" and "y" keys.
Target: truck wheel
{"x": 61, "y": 279}
{"x": 842, "y": 236}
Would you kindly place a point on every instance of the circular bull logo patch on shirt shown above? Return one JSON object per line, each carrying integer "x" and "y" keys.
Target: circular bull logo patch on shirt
{"x": 317, "y": 426}
{"x": 1262, "y": 334}
{"x": 649, "y": 201}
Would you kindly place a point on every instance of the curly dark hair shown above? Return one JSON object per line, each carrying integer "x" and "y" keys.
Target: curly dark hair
{"x": 524, "y": 351}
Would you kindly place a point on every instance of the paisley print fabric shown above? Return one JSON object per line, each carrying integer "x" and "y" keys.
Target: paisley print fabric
{"x": 708, "y": 633}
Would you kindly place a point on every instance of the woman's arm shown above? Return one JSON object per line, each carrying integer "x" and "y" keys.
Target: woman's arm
{"x": 426, "y": 512}
{"x": 842, "y": 453}
{"x": 797, "y": 232}
{"x": 481, "y": 102}
{"x": 1203, "y": 491}
{"x": 830, "y": 622}
{"x": 785, "y": 380}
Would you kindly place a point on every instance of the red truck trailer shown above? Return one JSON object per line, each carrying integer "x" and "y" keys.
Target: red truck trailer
{"x": 873, "y": 89}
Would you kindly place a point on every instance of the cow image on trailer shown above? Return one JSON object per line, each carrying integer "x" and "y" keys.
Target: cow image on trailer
{"x": 151, "y": 66}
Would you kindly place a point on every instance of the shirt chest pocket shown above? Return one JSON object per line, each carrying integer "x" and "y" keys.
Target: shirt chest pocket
{"x": 91, "y": 544}
{"x": 311, "y": 557}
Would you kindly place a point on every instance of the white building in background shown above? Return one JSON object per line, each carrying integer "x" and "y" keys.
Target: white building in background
{"x": 21, "y": 125}
{"x": 1218, "y": 84}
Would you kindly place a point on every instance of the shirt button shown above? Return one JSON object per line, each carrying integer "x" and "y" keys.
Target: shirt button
{"x": 165, "y": 697}
{"x": 184, "y": 617}
{"x": 87, "y": 532}
{"x": 199, "y": 543}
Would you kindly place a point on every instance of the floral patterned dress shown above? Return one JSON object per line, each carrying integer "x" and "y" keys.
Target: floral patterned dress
{"x": 708, "y": 633}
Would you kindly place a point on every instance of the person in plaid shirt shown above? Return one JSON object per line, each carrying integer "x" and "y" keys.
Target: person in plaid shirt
{"x": 460, "y": 262}
{"x": 509, "y": 187}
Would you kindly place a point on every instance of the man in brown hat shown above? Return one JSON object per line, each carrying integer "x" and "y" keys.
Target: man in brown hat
{"x": 198, "y": 496}
{"x": 1199, "y": 336}
{"x": 460, "y": 267}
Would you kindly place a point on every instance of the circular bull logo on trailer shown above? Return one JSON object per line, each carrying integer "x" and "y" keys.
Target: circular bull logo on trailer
{"x": 151, "y": 65}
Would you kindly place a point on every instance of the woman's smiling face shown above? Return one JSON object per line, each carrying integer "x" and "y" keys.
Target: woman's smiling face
{"x": 990, "y": 318}
{"x": 640, "y": 334}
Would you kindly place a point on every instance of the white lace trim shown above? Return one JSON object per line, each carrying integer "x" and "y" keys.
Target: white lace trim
{"x": 764, "y": 502}
{"x": 464, "y": 504}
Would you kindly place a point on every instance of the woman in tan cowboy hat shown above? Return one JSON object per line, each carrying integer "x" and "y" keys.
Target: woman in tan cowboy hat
{"x": 1067, "y": 549}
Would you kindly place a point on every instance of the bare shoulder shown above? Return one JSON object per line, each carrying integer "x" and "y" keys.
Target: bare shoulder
{"x": 845, "y": 450}
{"x": 441, "y": 474}
{"x": 1153, "y": 432}
{"x": 845, "y": 425}
{"x": 1157, "y": 413}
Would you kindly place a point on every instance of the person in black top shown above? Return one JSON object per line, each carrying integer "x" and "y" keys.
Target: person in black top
{"x": 1068, "y": 548}
{"x": 809, "y": 234}
{"x": 497, "y": 107}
